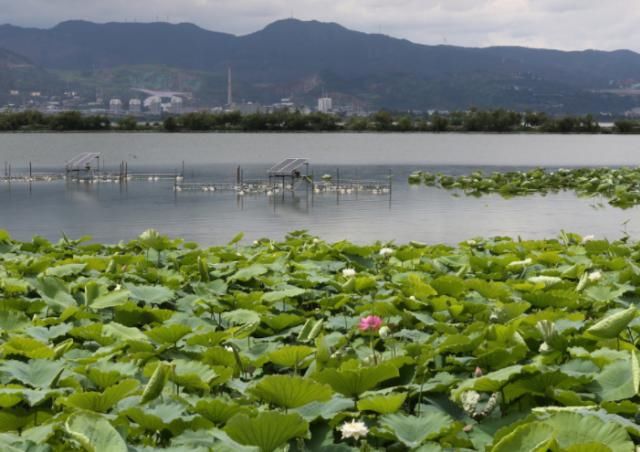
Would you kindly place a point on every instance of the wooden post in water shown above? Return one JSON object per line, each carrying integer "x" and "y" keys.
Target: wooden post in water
{"x": 390, "y": 185}
{"x": 338, "y": 185}
{"x": 30, "y": 172}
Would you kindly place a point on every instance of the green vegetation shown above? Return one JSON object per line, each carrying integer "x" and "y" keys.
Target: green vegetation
{"x": 66, "y": 121}
{"x": 497, "y": 344}
{"x": 620, "y": 186}
{"x": 497, "y": 121}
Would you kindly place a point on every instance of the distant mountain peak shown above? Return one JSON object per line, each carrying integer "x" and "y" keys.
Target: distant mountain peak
{"x": 292, "y": 25}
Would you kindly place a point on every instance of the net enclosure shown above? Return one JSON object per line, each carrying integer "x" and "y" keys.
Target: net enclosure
{"x": 287, "y": 167}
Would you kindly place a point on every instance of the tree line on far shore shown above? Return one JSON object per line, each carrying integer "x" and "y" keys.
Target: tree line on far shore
{"x": 497, "y": 121}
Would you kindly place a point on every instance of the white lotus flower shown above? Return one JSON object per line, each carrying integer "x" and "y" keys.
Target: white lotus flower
{"x": 228, "y": 348}
{"x": 595, "y": 276}
{"x": 386, "y": 251}
{"x": 348, "y": 272}
{"x": 588, "y": 238}
{"x": 471, "y": 242}
{"x": 354, "y": 429}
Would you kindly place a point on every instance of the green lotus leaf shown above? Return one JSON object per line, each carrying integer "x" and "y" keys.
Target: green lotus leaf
{"x": 412, "y": 431}
{"x": 150, "y": 294}
{"x": 192, "y": 374}
{"x": 105, "y": 401}
{"x": 281, "y": 294}
{"x": 47, "y": 334}
{"x": 123, "y": 333}
{"x": 290, "y": 391}
{"x": 14, "y": 320}
{"x": 110, "y": 300}
{"x": 54, "y": 293}
{"x": 242, "y": 317}
{"x": 158, "y": 416}
{"x": 619, "y": 380}
{"x": 326, "y": 410}
{"x": 94, "y": 433}
{"x": 534, "y": 436}
{"x": 611, "y": 326}
{"x": 37, "y": 373}
{"x": 267, "y": 431}
{"x": 61, "y": 271}
{"x": 383, "y": 404}
{"x": 219, "y": 411}
{"x": 490, "y": 382}
{"x": 352, "y": 382}
{"x": 248, "y": 273}
{"x": 168, "y": 334}
{"x": 282, "y": 321}
{"x": 575, "y": 429}
{"x": 291, "y": 356}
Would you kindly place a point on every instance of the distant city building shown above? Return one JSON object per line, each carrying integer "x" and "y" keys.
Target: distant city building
{"x": 633, "y": 113}
{"x": 176, "y": 105}
{"x": 247, "y": 108}
{"x": 135, "y": 106}
{"x": 14, "y": 92}
{"x": 153, "y": 105}
{"x": 285, "y": 104}
{"x": 35, "y": 94}
{"x": 115, "y": 106}
{"x": 325, "y": 104}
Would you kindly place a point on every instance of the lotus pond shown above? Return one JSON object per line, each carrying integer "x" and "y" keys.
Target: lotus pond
{"x": 495, "y": 344}
{"x": 620, "y": 186}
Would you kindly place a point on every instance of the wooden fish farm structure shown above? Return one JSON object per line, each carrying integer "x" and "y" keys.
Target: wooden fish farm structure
{"x": 288, "y": 176}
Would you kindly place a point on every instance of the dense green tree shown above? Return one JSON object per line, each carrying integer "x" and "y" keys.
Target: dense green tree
{"x": 127, "y": 123}
{"x": 439, "y": 123}
{"x": 624, "y": 126}
{"x": 382, "y": 120}
{"x": 170, "y": 124}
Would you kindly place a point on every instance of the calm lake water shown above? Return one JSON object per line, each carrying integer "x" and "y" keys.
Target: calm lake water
{"x": 111, "y": 212}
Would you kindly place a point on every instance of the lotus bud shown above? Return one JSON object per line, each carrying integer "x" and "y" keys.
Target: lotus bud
{"x": 544, "y": 348}
{"x": 595, "y": 276}
{"x": 386, "y": 252}
{"x": 384, "y": 332}
{"x": 478, "y": 372}
{"x": 493, "y": 318}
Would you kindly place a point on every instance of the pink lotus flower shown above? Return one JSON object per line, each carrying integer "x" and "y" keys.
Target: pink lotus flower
{"x": 370, "y": 323}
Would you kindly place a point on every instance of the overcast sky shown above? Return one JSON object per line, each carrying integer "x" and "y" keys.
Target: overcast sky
{"x": 561, "y": 24}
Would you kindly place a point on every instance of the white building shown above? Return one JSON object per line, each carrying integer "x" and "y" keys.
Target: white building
{"x": 176, "y": 105}
{"x": 325, "y": 104}
{"x": 135, "y": 106}
{"x": 247, "y": 108}
{"x": 115, "y": 106}
{"x": 153, "y": 104}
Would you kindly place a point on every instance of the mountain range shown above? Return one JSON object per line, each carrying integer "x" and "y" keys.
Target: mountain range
{"x": 303, "y": 59}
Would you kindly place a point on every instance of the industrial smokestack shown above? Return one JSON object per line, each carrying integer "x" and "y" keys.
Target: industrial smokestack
{"x": 229, "y": 88}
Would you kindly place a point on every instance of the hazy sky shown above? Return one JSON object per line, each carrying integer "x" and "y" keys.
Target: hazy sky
{"x": 562, "y": 24}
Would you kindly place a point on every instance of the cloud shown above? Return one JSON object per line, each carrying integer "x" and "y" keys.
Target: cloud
{"x": 562, "y": 24}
